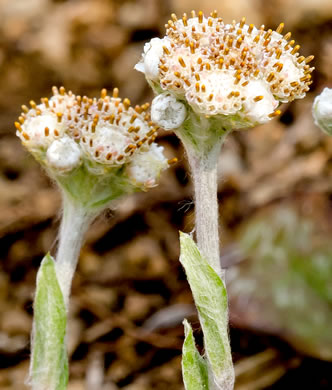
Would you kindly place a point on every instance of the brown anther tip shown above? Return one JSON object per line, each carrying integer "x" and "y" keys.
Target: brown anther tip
{"x": 25, "y": 108}
{"x": 21, "y": 119}
{"x": 166, "y": 51}
{"x": 306, "y": 77}
{"x": 287, "y": 36}
{"x": 62, "y": 90}
{"x": 280, "y": 28}
{"x": 274, "y": 114}
{"x": 103, "y": 93}
{"x": 26, "y": 136}
{"x": 174, "y": 17}
{"x": 46, "y": 131}
{"x": 130, "y": 147}
{"x": 214, "y": 14}
{"x": 145, "y": 106}
{"x": 18, "y": 126}
{"x": 32, "y": 104}
{"x": 200, "y": 16}
{"x": 296, "y": 49}
{"x": 243, "y": 21}
{"x": 100, "y": 104}
{"x": 55, "y": 90}
{"x": 59, "y": 116}
{"x": 251, "y": 27}
{"x": 237, "y": 79}
{"x": 56, "y": 133}
{"x": 133, "y": 117}
{"x": 138, "y": 109}
{"x": 258, "y": 98}
{"x": 172, "y": 161}
{"x": 192, "y": 48}
{"x": 115, "y": 92}
{"x": 238, "y": 42}
{"x": 126, "y": 103}
{"x": 44, "y": 100}
{"x": 181, "y": 61}
{"x": 309, "y": 59}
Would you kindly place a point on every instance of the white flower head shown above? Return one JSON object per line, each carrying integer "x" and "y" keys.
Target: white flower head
{"x": 322, "y": 110}
{"x": 102, "y": 137}
{"x": 227, "y": 70}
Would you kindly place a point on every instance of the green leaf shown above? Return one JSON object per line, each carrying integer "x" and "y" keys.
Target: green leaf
{"x": 194, "y": 368}
{"x": 49, "y": 363}
{"x": 211, "y": 301}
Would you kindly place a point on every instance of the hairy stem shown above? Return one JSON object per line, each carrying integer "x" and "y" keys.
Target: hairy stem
{"x": 74, "y": 224}
{"x": 204, "y": 171}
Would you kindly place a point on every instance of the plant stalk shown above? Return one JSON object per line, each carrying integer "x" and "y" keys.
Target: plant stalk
{"x": 74, "y": 224}
{"x": 205, "y": 180}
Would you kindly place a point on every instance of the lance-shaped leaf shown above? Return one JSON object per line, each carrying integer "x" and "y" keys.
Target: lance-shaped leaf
{"x": 49, "y": 363}
{"x": 194, "y": 369}
{"x": 211, "y": 301}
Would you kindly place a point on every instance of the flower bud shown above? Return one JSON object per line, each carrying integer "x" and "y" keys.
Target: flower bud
{"x": 64, "y": 154}
{"x": 322, "y": 110}
{"x": 167, "y": 111}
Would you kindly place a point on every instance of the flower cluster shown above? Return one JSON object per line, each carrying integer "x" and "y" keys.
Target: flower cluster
{"x": 68, "y": 131}
{"x": 232, "y": 70}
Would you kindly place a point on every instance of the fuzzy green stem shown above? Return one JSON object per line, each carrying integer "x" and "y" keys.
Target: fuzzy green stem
{"x": 75, "y": 222}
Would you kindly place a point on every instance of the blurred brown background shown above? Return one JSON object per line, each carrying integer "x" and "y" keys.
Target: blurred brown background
{"x": 130, "y": 294}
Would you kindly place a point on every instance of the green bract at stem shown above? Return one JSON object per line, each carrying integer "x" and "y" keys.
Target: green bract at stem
{"x": 202, "y": 138}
